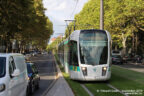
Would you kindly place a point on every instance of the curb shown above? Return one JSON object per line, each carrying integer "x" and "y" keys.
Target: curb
{"x": 61, "y": 75}
{"x": 137, "y": 64}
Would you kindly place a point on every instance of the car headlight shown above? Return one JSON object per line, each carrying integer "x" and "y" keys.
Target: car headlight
{"x": 2, "y": 87}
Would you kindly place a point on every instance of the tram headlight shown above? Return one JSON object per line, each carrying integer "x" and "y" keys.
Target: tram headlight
{"x": 84, "y": 70}
{"x": 104, "y": 69}
{"x": 2, "y": 87}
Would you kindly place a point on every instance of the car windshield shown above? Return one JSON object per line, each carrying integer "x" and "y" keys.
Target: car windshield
{"x": 93, "y": 47}
{"x": 2, "y": 66}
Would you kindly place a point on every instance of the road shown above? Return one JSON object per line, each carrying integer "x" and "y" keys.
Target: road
{"x": 47, "y": 72}
{"x": 133, "y": 67}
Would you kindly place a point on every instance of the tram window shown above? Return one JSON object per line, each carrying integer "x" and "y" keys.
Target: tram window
{"x": 104, "y": 56}
{"x": 73, "y": 53}
{"x": 93, "y": 47}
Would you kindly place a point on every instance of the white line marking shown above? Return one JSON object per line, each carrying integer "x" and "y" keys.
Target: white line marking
{"x": 86, "y": 89}
{"x": 109, "y": 85}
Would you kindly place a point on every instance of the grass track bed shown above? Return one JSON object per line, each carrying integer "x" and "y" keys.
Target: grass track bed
{"x": 101, "y": 89}
{"x": 129, "y": 74}
{"x": 127, "y": 80}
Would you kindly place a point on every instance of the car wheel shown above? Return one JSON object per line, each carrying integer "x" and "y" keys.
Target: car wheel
{"x": 32, "y": 88}
{"x": 27, "y": 92}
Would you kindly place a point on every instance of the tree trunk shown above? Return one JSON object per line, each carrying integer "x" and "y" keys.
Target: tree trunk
{"x": 124, "y": 39}
{"x": 133, "y": 43}
{"x": 136, "y": 43}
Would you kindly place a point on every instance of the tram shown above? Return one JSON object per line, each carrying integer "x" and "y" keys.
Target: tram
{"x": 86, "y": 55}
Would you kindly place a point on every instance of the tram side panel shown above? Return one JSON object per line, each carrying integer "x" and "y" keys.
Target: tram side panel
{"x": 66, "y": 58}
{"x": 61, "y": 54}
{"x": 73, "y": 61}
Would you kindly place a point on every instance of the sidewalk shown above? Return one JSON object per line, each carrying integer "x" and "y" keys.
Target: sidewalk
{"x": 61, "y": 87}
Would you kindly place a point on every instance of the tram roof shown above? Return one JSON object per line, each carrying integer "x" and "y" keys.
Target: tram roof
{"x": 76, "y": 33}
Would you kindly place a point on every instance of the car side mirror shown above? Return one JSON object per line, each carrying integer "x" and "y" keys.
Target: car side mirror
{"x": 16, "y": 73}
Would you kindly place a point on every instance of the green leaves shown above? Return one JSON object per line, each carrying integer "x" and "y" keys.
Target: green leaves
{"x": 25, "y": 21}
{"x": 122, "y": 18}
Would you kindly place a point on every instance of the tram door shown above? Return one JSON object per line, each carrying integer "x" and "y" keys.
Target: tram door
{"x": 66, "y": 59}
{"x": 73, "y": 60}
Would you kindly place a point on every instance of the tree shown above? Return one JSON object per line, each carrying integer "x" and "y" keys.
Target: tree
{"x": 124, "y": 19}
{"x": 24, "y": 21}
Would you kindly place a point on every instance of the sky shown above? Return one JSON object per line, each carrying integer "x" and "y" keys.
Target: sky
{"x": 60, "y": 10}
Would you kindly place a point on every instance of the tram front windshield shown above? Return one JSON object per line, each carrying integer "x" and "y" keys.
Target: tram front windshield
{"x": 93, "y": 47}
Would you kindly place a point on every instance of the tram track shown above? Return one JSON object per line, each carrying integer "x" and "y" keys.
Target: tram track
{"x": 111, "y": 86}
{"x": 87, "y": 90}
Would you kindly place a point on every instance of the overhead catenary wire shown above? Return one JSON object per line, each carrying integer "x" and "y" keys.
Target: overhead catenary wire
{"x": 74, "y": 8}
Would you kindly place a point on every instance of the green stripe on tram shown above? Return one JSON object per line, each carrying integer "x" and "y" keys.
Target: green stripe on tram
{"x": 66, "y": 42}
{"x": 74, "y": 68}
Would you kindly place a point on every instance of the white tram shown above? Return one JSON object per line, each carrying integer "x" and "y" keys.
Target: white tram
{"x": 86, "y": 55}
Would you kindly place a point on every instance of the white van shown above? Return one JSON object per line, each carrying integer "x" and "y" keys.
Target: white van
{"x": 13, "y": 75}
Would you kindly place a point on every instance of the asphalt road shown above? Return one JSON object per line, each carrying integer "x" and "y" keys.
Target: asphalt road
{"x": 47, "y": 72}
{"x": 133, "y": 67}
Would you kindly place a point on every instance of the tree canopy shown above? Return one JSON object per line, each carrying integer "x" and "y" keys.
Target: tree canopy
{"x": 25, "y": 22}
{"x": 124, "y": 19}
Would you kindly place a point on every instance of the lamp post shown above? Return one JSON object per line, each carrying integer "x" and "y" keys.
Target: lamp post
{"x": 101, "y": 15}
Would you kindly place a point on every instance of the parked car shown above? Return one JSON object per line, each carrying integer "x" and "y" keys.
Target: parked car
{"x": 137, "y": 59}
{"x": 117, "y": 59}
{"x": 126, "y": 58}
{"x": 44, "y": 53}
{"x": 34, "y": 78}
{"x": 33, "y": 53}
{"x": 27, "y": 55}
{"x": 13, "y": 75}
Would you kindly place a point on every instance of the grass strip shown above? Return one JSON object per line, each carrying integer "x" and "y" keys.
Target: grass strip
{"x": 101, "y": 89}
{"x": 128, "y": 80}
{"x": 75, "y": 86}
{"x": 129, "y": 74}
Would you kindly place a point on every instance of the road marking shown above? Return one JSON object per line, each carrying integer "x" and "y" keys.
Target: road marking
{"x": 109, "y": 85}
{"x": 86, "y": 89}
